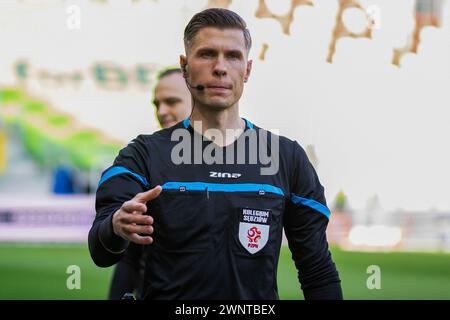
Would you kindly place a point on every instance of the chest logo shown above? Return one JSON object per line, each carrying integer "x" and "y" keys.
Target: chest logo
{"x": 214, "y": 174}
{"x": 253, "y": 234}
{"x": 254, "y": 227}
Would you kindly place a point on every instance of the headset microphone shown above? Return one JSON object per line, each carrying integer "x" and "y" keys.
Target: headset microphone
{"x": 198, "y": 87}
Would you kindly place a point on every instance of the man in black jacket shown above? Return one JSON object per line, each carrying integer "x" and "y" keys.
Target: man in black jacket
{"x": 172, "y": 101}
{"x": 209, "y": 197}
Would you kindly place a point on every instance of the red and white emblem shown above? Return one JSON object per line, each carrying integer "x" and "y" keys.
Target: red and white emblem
{"x": 254, "y": 234}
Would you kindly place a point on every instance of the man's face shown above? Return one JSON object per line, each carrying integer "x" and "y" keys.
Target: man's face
{"x": 217, "y": 59}
{"x": 172, "y": 100}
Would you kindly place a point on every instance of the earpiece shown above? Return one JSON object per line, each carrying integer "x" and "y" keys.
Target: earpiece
{"x": 198, "y": 87}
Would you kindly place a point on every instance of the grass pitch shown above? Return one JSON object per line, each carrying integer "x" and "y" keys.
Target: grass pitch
{"x": 39, "y": 272}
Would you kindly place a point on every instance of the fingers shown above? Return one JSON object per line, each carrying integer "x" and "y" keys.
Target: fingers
{"x": 151, "y": 194}
{"x": 139, "y": 200}
{"x": 136, "y": 218}
{"x": 133, "y": 228}
{"x": 134, "y": 206}
{"x": 140, "y": 239}
{"x": 129, "y": 221}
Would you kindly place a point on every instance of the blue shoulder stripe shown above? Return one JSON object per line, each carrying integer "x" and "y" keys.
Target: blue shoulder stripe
{"x": 248, "y": 124}
{"x": 119, "y": 170}
{"x": 312, "y": 204}
{"x": 186, "y": 123}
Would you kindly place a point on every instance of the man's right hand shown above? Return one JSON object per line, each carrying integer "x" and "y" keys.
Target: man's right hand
{"x": 129, "y": 221}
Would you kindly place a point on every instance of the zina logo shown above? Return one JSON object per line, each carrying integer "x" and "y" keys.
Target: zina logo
{"x": 214, "y": 174}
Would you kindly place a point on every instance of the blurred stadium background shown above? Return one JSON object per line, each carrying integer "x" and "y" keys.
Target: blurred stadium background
{"x": 76, "y": 79}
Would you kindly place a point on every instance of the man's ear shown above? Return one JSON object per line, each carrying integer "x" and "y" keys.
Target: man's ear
{"x": 248, "y": 70}
{"x": 183, "y": 65}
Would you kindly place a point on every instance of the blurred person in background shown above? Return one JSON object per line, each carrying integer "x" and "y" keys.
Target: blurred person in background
{"x": 172, "y": 101}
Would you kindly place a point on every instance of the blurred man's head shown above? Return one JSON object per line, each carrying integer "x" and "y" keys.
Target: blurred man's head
{"x": 172, "y": 99}
{"x": 217, "y": 44}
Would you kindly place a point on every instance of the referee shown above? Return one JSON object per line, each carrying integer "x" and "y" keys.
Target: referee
{"x": 209, "y": 197}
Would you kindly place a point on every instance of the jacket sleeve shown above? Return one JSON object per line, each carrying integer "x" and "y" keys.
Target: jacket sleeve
{"x": 305, "y": 222}
{"x": 118, "y": 184}
{"x": 127, "y": 275}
